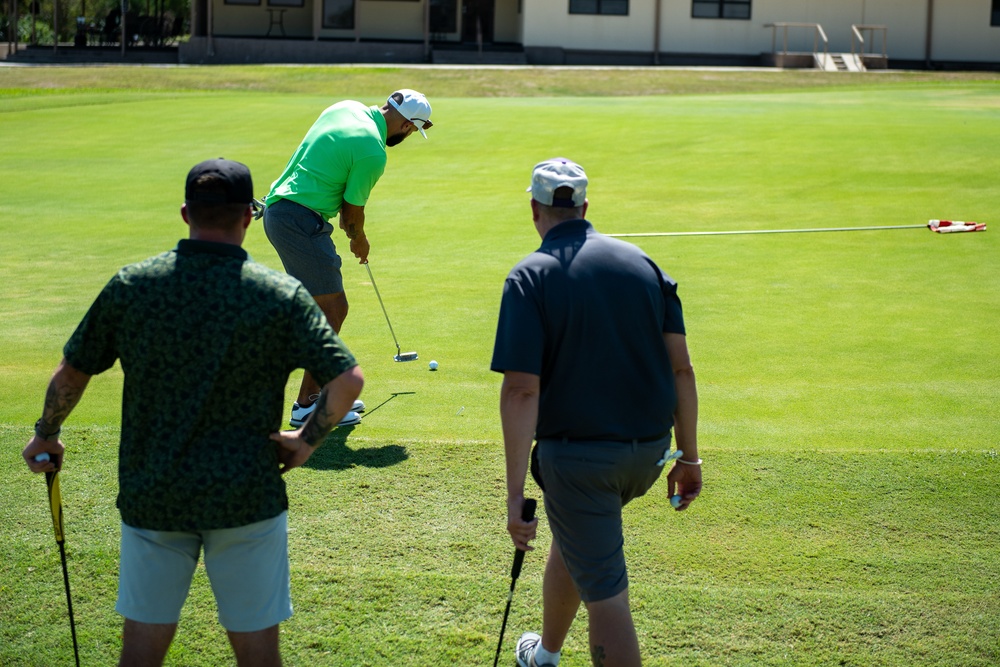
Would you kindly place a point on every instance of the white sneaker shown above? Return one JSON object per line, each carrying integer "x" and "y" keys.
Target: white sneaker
{"x": 300, "y": 414}
{"x": 350, "y": 419}
{"x": 525, "y": 650}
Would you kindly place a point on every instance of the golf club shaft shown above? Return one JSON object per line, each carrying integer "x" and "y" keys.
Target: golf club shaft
{"x": 69, "y": 603}
{"x": 372, "y": 278}
{"x": 527, "y": 514}
{"x": 55, "y": 506}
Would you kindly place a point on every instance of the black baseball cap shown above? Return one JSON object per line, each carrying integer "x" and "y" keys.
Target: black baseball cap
{"x": 219, "y": 181}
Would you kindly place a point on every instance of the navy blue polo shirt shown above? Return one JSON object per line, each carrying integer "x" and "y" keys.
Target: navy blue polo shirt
{"x": 587, "y": 313}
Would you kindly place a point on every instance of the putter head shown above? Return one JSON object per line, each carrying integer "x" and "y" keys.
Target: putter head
{"x": 405, "y": 356}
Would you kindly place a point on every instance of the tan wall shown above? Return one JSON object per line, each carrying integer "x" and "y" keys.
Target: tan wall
{"x": 378, "y": 19}
{"x": 507, "y": 23}
{"x": 390, "y": 19}
{"x": 253, "y": 20}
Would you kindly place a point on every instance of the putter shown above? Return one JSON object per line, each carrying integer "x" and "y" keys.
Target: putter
{"x": 55, "y": 505}
{"x": 527, "y": 514}
{"x": 400, "y": 356}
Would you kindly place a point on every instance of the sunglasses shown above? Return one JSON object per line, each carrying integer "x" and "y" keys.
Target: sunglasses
{"x": 426, "y": 123}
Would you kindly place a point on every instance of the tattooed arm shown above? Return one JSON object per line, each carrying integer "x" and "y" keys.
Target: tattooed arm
{"x": 65, "y": 390}
{"x": 335, "y": 399}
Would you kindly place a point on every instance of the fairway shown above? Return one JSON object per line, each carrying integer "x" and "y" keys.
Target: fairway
{"x": 848, "y": 381}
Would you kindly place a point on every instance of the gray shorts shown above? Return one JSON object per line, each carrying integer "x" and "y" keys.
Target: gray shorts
{"x": 305, "y": 245}
{"x": 586, "y": 485}
{"x": 247, "y": 567}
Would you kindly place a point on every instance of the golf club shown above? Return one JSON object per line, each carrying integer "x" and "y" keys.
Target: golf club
{"x": 527, "y": 514}
{"x": 400, "y": 356}
{"x": 391, "y": 396}
{"x": 55, "y": 505}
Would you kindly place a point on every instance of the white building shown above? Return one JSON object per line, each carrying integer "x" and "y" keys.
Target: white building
{"x": 940, "y": 33}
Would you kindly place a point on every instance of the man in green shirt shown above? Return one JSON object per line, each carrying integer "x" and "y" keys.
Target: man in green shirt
{"x": 333, "y": 171}
{"x": 207, "y": 339}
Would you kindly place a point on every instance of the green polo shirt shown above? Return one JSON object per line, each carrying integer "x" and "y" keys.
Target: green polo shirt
{"x": 207, "y": 339}
{"x": 341, "y": 159}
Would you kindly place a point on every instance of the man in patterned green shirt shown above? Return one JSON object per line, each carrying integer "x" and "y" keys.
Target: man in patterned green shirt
{"x": 207, "y": 339}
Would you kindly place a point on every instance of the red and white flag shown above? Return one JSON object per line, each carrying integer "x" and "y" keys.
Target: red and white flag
{"x": 947, "y": 226}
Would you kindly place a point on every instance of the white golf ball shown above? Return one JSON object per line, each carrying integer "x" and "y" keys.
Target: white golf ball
{"x": 675, "y": 501}
{"x": 42, "y": 458}
{"x": 433, "y": 365}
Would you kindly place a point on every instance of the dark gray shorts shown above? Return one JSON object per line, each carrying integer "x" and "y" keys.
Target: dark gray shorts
{"x": 586, "y": 485}
{"x": 305, "y": 245}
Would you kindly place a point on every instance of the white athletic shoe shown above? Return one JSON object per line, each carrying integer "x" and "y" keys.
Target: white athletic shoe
{"x": 525, "y": 650}
{"x": 300, "y": 414}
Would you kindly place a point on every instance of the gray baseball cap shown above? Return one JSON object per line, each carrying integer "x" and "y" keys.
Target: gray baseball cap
{"x": 549, "y": 176}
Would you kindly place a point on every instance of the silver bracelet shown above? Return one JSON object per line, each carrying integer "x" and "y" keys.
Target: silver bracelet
{"x": 690, "y": 463}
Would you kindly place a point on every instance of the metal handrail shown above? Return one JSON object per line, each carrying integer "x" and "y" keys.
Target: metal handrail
{"x": 818, "y": 34}
{"x": 857, "y": 36}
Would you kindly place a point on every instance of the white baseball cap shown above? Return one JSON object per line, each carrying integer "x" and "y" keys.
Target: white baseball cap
{"x": 549, "y": 176}
{"x": 414, "y": 108}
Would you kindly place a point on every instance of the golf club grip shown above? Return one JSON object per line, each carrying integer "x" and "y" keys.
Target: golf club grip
{"x": 527, "y": 514}
{"x": 55, "y": 504}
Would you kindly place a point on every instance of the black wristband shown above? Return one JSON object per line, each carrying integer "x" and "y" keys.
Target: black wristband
{"x": 46, "y": 436}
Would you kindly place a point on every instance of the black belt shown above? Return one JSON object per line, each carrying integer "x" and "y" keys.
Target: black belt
{"x": 652, "y": 438}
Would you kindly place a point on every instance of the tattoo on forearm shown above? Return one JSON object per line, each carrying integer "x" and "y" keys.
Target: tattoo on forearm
{"x": 320, "y": 422}
{"x": 597, "y": 656}
{"x": 60, "y": 399}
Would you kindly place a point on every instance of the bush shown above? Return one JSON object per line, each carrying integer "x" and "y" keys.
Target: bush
{"x": 43, "y": 30}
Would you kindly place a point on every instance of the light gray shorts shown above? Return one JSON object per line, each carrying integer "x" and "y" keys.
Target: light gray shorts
{"x": 587, "y": 483}
{"x": 247, "y": 567}
{"x": 304, "y": 241}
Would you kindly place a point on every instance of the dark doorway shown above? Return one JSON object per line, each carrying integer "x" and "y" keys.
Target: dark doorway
{"x": 477, "y": 18}
{"x": 444, "y": 18}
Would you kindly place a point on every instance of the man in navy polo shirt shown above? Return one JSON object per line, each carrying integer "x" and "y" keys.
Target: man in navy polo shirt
{"x": 591, "y": 342}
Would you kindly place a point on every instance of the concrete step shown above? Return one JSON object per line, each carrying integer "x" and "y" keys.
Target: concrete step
{"x": 839, "y": 62}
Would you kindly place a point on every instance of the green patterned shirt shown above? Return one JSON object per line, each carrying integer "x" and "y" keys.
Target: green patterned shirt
{"x": 207, "y": 339}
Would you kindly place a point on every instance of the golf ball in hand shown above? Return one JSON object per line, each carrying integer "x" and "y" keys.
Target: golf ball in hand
{"x": 433, "y": 365}
{"x": 42, "y": 458}
{"x": 675, "y": 501}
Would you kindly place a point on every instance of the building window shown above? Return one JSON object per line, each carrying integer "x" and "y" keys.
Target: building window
{"x": 338, "y": 14}
{"x": 995, "y": 15}
{"x": 608, "y": 7}
{"x": 722, "y": 9}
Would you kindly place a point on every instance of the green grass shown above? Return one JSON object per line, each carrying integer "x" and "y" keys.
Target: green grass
{"x": 848, "y": 380}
